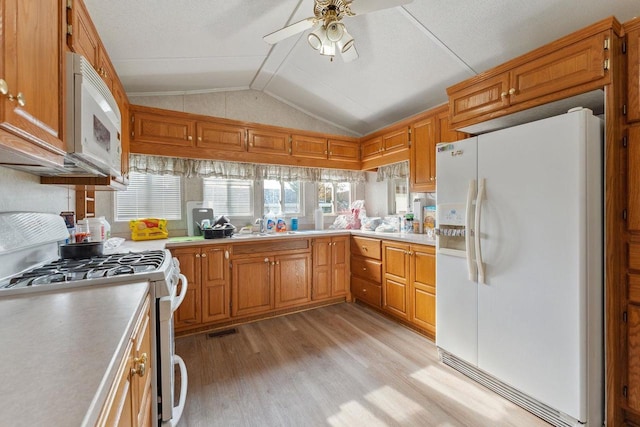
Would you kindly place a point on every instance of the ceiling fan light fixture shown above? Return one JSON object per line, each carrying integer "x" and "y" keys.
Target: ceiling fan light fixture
{"x": 346, "y": 42}
{"x": 328, "y": 49}
{"x": 335, "y": 31}
{"x": 317, "y": 37}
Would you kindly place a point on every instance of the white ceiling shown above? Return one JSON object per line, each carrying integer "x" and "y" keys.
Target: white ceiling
{"x": 408, "y": 54}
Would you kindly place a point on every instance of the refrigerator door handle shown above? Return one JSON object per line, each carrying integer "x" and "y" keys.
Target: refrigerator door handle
{"x": 468, "y": 232}
{"x": 476, "y": 234}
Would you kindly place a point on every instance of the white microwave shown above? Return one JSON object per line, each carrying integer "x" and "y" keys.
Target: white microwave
{"x": 93, "y": 120}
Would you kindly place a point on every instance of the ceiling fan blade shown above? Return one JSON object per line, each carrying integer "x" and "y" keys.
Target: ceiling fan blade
{"x": 350, "y": 55}
{"x": 289, "y": 30}
{"x": 360, "y": 7}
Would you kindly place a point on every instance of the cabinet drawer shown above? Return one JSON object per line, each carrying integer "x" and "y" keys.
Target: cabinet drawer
{"x": 366, "y": 291}
{"x": 634, "y": 256}
{"x": 366, "y": 268}
{"x": 366, "y": 247}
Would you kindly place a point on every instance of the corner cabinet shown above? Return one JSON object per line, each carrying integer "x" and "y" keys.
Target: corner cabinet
{"x": 32, "y": 83}
{"x": 572, "y": 65}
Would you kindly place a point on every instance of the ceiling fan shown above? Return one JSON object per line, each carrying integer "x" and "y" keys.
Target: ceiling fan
{"x": 329, "y": 34}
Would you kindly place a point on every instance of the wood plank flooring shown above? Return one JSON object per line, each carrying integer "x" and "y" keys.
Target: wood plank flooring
{"x": 341, "y": 365}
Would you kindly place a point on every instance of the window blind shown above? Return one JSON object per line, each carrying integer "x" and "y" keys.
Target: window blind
{"x": 232, "y": 197}
{"x": 149, "y": 196}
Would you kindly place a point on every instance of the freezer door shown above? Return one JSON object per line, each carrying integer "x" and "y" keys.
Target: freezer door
{"x": 540, "y": 236}
{"x": 456, "y": 302}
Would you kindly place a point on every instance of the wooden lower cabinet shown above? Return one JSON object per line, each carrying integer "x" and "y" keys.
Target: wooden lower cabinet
{"x": 252, "y": 286}
{"x": 408, "y": 283}
{"x": 366, "y": 270}
{"x": 208, "y": 293}
{"x": 130, "y": 396}
{"x": 292, "y": 279}
{"x": 330, "y": 267}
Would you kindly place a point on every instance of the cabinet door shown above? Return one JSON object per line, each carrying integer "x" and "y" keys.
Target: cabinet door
{"x": 251, "y": 286}
{"x": 395, "y": 287}
{"x": 321, "y": 268}
{"x": 33, "y": 69}
{"x": 220, "y": 136}
{"x": 142, "y": 377}
{"x": 84, "y": 38}
{"x": 633, "y": 177}
{"x": 366, "y": 291}
{"x": 344, "y": 151}
{"x": 293, "y": 279}
{"x": 268, "y": 142}
{"x": 422, "y": 161}
{"x": 309, "y": 147}
{"x": 366, "y": 247}
{"x": 215, "y": 283}
{"x": 372, "y": 148}
{"x": 576, "y": 64}
{"x": 340, "y": 266}
{"x": 478, "y": 98}
{"x": 188, "y": 314}
{"x": 105, "y": 69}
{"x": 162, "y": 129}
{"x": 396, "y": 140}
{"x": 423, "y": 288}
{"x": 633, "y": 357}
{"x": 118, "y": 410}
{"x": 633, "y": 74}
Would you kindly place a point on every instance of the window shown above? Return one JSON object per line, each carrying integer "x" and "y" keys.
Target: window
{"x": 334, "y": 198}
{"x": 231, "y": 197}
{"x": 285, "y": 197}
{"x": 149, "y": 196}
{"x": 400, "y": 192}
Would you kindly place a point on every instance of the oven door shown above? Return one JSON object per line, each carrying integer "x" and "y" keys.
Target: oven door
{"x": 169, "y": 414}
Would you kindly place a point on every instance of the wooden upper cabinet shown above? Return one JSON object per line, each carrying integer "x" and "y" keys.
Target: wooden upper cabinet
{"x": 82, "y": 36}
{"x": 633, "y": 70}
{"x": 344, "y": 151}
{"x": 479, "y": 98}
{"x": 162, "y": 129}
{"x": 572, "y": 65}
{"x": 396, "y": 140}
{"x": 576, "y": 64}
{"x": 268, "y": 142}
{"x": 309, "y": 146}
{"x": 33, "y": 68}
{"x": 633, "y": 177}
{"x": 372, "y": 148}
{"x": 422, "y": 160}
{"x": 220, "y": 136}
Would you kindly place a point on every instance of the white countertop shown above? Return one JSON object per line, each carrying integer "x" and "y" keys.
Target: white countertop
{"x": 176, "y": 242}
{"x": 60, "y": 352}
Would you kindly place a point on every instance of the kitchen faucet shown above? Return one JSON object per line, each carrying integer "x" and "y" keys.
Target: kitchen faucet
{"x": 260, "y": 221}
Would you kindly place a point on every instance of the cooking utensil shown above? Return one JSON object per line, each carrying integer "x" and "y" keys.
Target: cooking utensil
{"x": 81, "y": 250}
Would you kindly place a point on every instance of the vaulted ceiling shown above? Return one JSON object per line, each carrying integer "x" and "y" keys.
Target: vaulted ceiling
{"x": 408, "y": 55}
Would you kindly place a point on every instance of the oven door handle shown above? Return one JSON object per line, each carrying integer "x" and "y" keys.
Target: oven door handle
{"x": 183, "y": 292}
{"x": 177, "y": 410}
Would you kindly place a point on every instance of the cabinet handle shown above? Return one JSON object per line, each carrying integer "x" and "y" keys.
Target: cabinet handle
{"x": 364, "y": 291}
{"x": 4, "y": 87}
{"x": 197, "y": 255}
{"x": 512, "y": 91}
{"x": 204, "y": 255}
{"x": 266, "y": 260}
{"x": 364, "y": 268}
{"x": 226, "y": 254}
{"x": 190, "y": 138}
{"x": 200, "y": 138}
{"x": 277, "y": 262}
{"x": 503, "y": 95}
{"x": 273, "y": 263}
{"x": 364, "y": 248}
{"x": 140, "y": 365}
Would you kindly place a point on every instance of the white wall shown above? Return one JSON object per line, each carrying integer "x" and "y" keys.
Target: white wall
{"x": 21, "y": 191}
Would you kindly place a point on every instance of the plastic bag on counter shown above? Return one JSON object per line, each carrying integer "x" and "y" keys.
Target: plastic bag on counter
{"x": 390, "y": 224}
{"x": 341, "y": 222}
{"x": 113, "y": 242}
{"x": 370, "y": 223}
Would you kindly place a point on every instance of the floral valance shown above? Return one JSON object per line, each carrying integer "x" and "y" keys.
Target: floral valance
{"x": 395, "y": 170}
{"x": 191, "y": 168}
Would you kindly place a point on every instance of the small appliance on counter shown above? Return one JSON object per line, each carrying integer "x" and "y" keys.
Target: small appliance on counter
{"x": 197, "y": 212}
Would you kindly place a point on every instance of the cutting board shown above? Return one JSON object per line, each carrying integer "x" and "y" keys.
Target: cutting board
{"x": 198, "y": 215}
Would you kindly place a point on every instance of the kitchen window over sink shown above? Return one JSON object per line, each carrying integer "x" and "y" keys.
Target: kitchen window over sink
{"x": 230, "y": 197}
{"x": 282, "y": 196}
{"x": 149, "y": 196}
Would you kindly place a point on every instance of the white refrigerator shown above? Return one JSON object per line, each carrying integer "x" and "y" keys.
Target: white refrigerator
{"x": 519, "y": 268}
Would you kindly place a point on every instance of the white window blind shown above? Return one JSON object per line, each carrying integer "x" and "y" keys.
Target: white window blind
{"x": 149, "y": 196}
{"x": 231, "y": 197}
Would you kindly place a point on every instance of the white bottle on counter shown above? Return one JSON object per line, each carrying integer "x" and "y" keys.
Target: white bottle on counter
{"x": 318, "y": 216}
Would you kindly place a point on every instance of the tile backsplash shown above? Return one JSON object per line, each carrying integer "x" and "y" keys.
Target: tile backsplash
{"x": 21, "y": 191}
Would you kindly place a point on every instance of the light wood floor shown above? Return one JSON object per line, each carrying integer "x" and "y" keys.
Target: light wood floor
{"x": 341, "y": 365}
